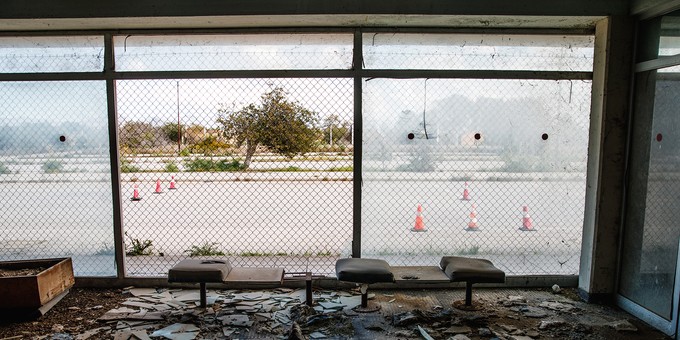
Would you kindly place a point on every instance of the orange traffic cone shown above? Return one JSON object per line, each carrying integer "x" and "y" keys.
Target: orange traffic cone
{"x": 527, "y": 224}
{"x": 466, "y": 193}
{"x": 172, "y": 183}
{"x": 420, "y": 225}
{"x": 158, "y": 187}
{"x": 472, "y": 225}
{"x": 135, "y": 194}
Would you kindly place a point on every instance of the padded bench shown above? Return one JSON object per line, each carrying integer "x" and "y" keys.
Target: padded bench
{"x": 365, "y": 272}
{"x": 220, "y": 271}
{"x": 470, "y": 271}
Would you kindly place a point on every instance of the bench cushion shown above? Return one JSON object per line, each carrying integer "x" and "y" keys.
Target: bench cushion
{"x": 363, "y": 270}
{"x": 471, "y": 270}
{"x": 191, "y": 270}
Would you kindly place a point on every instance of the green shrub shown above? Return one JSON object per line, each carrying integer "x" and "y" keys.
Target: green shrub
{"x": 202, "y": 165}
{"x": 3, "y": 169}
{"x": 106, "y": 249}
{"x": 125, "y": 166}
{"x": 139, "y": 247}
{"x": 52, "y": 167}
{"x": 185, "y": 152}
{"x": 171, "y": 167}
{"x": 207, "y": 249}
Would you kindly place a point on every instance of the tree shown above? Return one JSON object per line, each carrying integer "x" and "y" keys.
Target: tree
{"x": 135, "y": 135}
{"x": 336, "y": 131}
{"x": 283, "y": 126}
{"x": 171, "y": 132}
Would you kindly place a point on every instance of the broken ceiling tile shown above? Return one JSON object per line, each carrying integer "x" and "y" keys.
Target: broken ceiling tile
{"x": 188, "y": 296}
{"x": 238, "y": 320}
{"x": 124, "y": 324}
{"x": 131, "y": 335}
{"x": 331, "y": 305}
{"x": 178, "y": 331}
{"x": 250, "y": 303}
{"x": 228, "y": 331}
{"x": 92, "y": 332}
{"x": 317, "y": 335}
{"x": 264, "y": 316}
{"x": 142, "y": 291}
{"x": 138, "y": 304}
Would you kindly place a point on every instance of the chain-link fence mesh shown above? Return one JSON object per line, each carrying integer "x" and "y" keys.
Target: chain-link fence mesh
{"x": 497, "y": 168}
{"x": 234, "y": 52}
{"x": 260, "y": 170}
{"x": 478, "y": 52}
{"x": 265, "y": 206}
{"x": 55, "y": 174}
{"x": 51, "y": 54}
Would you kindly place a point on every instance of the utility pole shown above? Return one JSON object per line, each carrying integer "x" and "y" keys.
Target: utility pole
{"x": 179, "y": 126}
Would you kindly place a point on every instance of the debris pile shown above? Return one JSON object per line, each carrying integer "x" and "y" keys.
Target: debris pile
{"x": 175, "y": 314}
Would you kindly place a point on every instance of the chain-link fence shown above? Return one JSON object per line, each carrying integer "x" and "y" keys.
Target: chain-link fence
{"x": 259, "y": 168}
{"x": 496, "y": 166}
{"x": 241, "y": 188}
{"x": 55, "y": 174}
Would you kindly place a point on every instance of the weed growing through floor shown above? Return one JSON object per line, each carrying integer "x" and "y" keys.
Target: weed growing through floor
{"x": 139, "y": 247}
{"x": 207, "y": 249}
{"x": 473, "y": 250}
{"x": 52, "y": 167}
{"x": 106, "y": 249}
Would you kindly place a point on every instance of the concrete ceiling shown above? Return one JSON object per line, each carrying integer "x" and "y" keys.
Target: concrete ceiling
{"x": 269, "y": 21}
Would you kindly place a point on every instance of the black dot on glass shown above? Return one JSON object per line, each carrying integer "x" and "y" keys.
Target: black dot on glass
{"x": 410, "y": 136}
{"x": 659, "y": 137}
{"x": 478, "y": 136}
{"x": 62, "y": 138}
{"x": 544, "y": 136}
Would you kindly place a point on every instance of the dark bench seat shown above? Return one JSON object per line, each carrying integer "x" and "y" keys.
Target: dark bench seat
{"x": 365, "y": 272}
{"x": 470, "y": 271}
{"x": 220, "y": 271}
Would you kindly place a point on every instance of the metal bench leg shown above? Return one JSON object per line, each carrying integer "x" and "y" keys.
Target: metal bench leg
{"x": 468, "y": 293}
{"x": 364, "y": 295}
{"x": 203, "y": 293}
{"x": 308, "y": 283}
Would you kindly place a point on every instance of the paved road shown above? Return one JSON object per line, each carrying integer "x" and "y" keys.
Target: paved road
{"x": 303, "y": 218}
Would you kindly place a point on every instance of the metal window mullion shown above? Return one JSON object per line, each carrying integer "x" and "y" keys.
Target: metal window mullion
{"x": 476, "y": 74}
{"x": 361, "y": 73}
{"x": 661, "y": 62}
{"x": 224, "y": 74}
{"x": 56, "y": 76}
{"x": 357, "y": 63}
{"x": 119, "y": 242}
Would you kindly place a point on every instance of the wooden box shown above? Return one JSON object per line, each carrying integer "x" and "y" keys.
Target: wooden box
{"x": 31, "y": 292}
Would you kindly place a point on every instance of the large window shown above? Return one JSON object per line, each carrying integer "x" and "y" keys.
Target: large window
{"x": 243, "y": 145}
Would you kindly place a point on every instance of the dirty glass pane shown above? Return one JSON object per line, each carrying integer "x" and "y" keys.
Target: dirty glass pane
{"x": 289, "y": 204}
{"x": 55, "y": 174}
{"x": 478, "y": 52}
{"x": 669, "y": 35}
{"x": 650, "y": 257}
{"x": 51, "y": 54}
{"x": 233, "y": 52}
{"x": 497, "y": 168}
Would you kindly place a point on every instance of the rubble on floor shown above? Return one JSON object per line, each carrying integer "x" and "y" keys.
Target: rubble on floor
{"x": 162, "y": 313}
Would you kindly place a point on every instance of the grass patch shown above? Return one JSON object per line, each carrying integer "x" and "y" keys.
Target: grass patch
{"x": 171, "y": 167}
{"x": 52, "y": 167}
{"x": 473, "y": 250}
{"x": 138, "y": 247}
{"x": 209, "y": 165}
{"x": 3, "y": 169}
{"x": 106, "y": 249}
{"x": 348, "y": 168}
{"x": 207, "y": 249}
